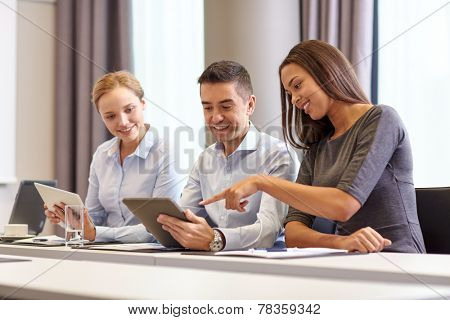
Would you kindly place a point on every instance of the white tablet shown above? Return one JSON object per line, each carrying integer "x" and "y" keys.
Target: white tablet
{"x": 52, "y": 196}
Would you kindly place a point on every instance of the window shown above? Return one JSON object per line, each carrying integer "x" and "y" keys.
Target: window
{"x": 414, "y": 78}
{"x": 168, "y": 49}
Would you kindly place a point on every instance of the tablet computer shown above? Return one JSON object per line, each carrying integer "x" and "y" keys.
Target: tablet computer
{"x": 52, "y": 196}
{"x": 148, "y": 209}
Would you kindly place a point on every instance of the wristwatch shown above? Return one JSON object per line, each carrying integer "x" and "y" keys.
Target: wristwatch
{"x": 217, "y": 243}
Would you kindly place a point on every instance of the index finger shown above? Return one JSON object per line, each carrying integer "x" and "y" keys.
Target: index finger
{"x": 213, "y": 199}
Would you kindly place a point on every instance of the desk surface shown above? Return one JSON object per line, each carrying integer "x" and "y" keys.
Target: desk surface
{"x": 78, "y": 254}
{"x": 126, "y": 275}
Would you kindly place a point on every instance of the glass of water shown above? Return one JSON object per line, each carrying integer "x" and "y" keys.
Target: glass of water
{"x": 74, "y": 225}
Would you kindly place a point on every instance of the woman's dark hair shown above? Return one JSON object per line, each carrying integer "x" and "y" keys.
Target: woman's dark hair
{"x": 335, "y": 76}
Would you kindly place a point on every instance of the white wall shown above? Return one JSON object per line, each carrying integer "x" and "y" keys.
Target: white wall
{"x": 35, "y": 90}
{"x": 34, "y": 97}
{"x": 8, "y": 89}
{"x": 258, "y": 34}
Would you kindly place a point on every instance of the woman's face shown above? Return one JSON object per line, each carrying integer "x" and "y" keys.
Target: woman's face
{"x": 122, "y": 113}
{"x": 304, "y": 91}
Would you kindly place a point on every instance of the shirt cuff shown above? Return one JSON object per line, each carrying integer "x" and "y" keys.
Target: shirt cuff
{"x": 104, "y": 234}
{"x": 232, "y": 238}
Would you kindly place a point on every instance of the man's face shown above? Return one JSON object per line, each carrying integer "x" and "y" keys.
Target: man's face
{"x": 226, "y": 112}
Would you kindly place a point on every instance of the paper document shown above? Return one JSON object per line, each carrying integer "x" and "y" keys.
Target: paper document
{"x": 45, "y": 241}
{"x": 280, "y": 253}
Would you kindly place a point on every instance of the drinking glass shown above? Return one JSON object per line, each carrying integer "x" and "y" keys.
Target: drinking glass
{"x": 74, "y": 225}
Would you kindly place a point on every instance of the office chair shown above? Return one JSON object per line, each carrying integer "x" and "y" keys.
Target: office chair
{"x": 433, "y": 209}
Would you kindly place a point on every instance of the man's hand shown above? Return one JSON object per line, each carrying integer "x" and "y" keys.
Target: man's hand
{"x": 195, "y": 234}
{"x": 364, "y": 240}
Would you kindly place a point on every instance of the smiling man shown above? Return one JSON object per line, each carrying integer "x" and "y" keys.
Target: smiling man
{"x": 240, "y": 151}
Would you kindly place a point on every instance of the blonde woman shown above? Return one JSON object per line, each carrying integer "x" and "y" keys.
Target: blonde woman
{"x": 135, "y": 163}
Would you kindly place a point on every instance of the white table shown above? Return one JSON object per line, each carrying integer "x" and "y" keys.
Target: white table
{"x": 399, "y": 267}
{"x": 124, "y": 275}
{"x": 78, "y": 254}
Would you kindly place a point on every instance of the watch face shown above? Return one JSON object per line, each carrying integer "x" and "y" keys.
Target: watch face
{"x": 216, "y": 244}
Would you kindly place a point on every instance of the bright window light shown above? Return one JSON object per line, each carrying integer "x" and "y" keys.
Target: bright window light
{"x": 414, "y": 78}
{"x": 168, "y": 51}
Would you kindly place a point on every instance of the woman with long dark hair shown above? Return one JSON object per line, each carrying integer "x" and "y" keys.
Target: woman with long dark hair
{"x": 357, "y": 166}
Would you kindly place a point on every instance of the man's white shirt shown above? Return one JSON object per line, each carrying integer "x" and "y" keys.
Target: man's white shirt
{"x": 261, "y": 223}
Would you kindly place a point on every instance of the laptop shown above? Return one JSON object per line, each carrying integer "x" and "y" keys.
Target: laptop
{"x": 28, "y": 207}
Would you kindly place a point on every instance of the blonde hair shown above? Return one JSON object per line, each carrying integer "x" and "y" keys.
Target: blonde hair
{"x": 112, "y": 80}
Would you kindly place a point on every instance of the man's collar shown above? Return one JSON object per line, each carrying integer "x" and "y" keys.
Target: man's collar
{"x": 250, "y": 142}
